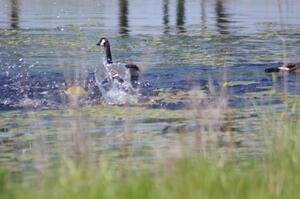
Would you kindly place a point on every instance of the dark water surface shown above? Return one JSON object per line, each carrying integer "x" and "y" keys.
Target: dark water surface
{"x": 181, "y": 46}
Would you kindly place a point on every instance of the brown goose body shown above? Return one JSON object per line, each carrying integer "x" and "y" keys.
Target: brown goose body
{"x": 134, "y": 70}
{"x": 288, "y": 67}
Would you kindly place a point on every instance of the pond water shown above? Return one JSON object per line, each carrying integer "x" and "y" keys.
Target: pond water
{"x": 193, "y": 56}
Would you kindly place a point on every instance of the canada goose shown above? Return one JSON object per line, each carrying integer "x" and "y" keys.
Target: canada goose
{"x": 288, "y": 67}
{"x": 133, "y": 69}
{"x": 105, "y": 43}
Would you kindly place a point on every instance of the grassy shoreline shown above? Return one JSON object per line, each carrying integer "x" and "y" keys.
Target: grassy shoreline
{"x": 276, "y": 176}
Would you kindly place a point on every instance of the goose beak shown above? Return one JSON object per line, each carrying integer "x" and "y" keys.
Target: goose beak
{"x": 98, "y": 44}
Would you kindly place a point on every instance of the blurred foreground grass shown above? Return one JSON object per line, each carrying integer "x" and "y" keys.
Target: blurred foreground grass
{"x": 274, "y": 176}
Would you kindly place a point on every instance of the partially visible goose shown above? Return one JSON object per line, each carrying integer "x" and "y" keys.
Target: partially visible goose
{"x": 134, "y": 70}
{"x": 288, "y": 67}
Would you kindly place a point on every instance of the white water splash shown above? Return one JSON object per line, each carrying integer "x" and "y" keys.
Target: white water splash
{"x": 114, "y": 83}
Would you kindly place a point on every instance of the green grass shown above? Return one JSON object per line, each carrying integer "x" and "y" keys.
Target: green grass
{"x": 275, "y": 176}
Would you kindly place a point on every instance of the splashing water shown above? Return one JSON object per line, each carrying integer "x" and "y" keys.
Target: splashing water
{"x": 114, "y": 83}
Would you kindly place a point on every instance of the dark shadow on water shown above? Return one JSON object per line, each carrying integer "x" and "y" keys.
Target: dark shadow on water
{"x": 123, "y": 17}
{"x": 222, "y": 18}
{"x": 166, "y": 16}
{"x": 14, "y": 16}
{"x": 180, "y": 16}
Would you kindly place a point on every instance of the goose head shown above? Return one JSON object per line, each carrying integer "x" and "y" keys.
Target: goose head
{"x": 105, "y": 43}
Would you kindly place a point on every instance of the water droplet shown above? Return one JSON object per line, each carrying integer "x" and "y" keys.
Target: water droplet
{"x": 6, "y": 102}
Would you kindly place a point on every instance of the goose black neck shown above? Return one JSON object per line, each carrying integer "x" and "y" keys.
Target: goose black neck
{"x": 108, "y": 54}
{"x": 272, "y": 70}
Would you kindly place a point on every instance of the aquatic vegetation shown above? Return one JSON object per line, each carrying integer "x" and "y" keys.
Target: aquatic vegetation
{"x": 238, "y": 83}
{"x": 275, "y": 175}
{"x": 76, "y": 91}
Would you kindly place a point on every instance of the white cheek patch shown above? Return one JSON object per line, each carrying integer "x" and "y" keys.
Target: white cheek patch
{"x": 102, "y": 42}
{"x": 284, "y": 68}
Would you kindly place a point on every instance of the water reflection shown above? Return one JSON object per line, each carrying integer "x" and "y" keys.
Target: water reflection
{"x": 221, "y": 51}
{"x": 14, "y": 16}
{"x": 180, "y": 16}
{"x": 123, "y": 17}
{"x": 221, "y": 17}
{"x": 166, "y": 16}
{"x": 203, "y": 12}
